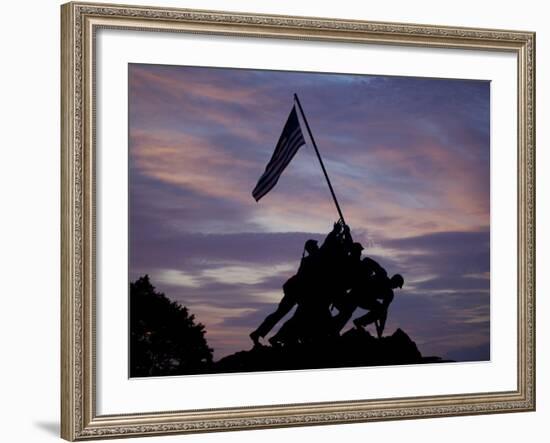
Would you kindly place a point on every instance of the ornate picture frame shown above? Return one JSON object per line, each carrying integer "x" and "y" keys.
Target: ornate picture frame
{"x": 79, "y": 390}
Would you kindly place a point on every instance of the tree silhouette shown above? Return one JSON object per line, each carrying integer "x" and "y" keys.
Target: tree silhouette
{"x": 164, "y": 338}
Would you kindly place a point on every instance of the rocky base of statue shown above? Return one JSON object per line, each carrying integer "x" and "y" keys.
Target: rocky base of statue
{"x": 356, "y": 347}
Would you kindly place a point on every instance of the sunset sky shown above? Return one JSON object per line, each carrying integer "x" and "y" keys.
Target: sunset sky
{"x": 409, "y": 162}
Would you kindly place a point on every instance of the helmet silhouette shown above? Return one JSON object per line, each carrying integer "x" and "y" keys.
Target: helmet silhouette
{"x": 397, "y": 281}
{"x": 311, "y": 246}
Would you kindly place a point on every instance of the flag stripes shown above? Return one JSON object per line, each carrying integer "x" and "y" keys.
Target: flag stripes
{"x": 289, "y": 142}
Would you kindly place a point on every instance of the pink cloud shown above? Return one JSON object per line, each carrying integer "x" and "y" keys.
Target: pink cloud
{"x": 189, "y": 161}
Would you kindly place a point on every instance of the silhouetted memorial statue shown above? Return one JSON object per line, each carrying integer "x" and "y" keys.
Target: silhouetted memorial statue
{"x": 312, "y": 319}
{"x": 330, "y": 276}
{"x": 292, "y": 289}
{"x": 369, "y": 286}
{"x": 302, "y": 286}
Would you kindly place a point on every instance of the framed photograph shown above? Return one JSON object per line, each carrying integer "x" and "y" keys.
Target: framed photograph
{"x": 282, "y": 221}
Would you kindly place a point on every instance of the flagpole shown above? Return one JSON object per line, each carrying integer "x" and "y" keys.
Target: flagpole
{"x": 320, "y": 159}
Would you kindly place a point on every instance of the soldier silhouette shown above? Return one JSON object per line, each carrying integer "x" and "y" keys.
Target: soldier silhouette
{"x": 327, "y": 283}
{"x": 351, "y": 271}
{"x": 373, "y": 291}
{"x": 333, "y": 275}
{"x": 378, "y": 311}
{"x": 292, "y": 289}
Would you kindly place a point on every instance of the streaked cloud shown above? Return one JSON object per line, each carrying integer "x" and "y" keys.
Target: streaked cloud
{"x": 245, "y": 275}
{"x": 174, "y": 277}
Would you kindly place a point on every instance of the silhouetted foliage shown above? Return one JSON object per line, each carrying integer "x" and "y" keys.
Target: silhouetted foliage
{"x": 164, "y": 337}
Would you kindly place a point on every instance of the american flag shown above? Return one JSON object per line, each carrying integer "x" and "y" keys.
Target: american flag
{"x": 289, "y": 142}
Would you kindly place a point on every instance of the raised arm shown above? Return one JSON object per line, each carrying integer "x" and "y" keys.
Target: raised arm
{"x": 332, "y": 237}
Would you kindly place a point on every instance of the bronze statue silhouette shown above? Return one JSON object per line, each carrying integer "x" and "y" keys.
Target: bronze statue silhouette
{"x": 378, "y": 311}
{"x": 331, "y": 276}
{"x": 338, "y": 278}
{"x": 373, "y": 291}
{"x": 292, "y": 289}
{"x": 310, "y": 288}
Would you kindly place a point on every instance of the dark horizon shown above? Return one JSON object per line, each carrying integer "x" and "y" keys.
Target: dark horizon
{"x": 409, "y": 160}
